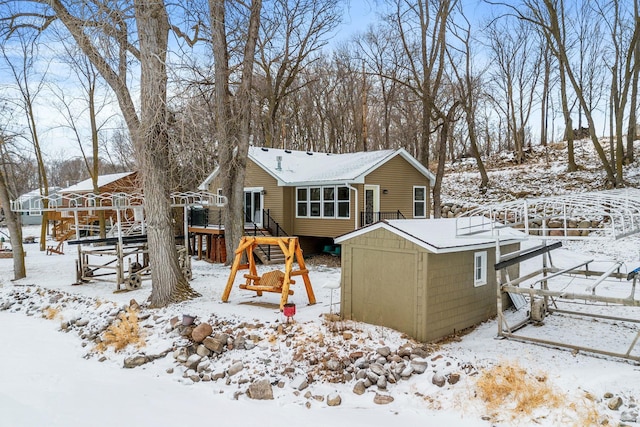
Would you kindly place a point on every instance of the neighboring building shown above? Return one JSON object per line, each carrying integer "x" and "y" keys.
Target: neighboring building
{"x": 125, "y": 182}
{"x": 30, "y": 205}
{"x": 112, "y": 188}
{"x": 318, "y": 196}
{"x": 415, "y": 276}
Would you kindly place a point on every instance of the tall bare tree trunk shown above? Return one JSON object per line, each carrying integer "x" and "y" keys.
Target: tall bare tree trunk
{"x": 233, "y": 118}
{"x": 445, "y": 129}
{"x": 632, "y": 132}
{"x": 13, "y": 223}
{"x": 152, "y": 150}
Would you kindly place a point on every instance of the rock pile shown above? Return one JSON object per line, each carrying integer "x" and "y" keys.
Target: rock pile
{"x": 319, "y": 360}
{"x": 557, "y": 227}
{"x": 453, "y": 210}
{"x": 574, "y": 227}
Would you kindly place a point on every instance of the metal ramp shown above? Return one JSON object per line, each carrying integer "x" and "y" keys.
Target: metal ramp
{"x": 603, "y": 215}
{"x": 606, "y": 215}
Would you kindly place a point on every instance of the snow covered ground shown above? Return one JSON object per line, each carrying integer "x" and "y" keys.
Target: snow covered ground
{"x": 57, "y": 378}
{"x": 53, "y": 374}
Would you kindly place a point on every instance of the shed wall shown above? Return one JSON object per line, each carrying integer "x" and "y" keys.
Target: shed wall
{"x": 380, "y": 282}
{"x": 389, "y": 281}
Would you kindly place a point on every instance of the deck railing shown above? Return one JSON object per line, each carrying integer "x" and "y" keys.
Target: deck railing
{"x": 369, "y": 217}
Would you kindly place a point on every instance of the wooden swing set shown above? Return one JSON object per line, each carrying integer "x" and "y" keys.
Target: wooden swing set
{"x": 273, "y": 281}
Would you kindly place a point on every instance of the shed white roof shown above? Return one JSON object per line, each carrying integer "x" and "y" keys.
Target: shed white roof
{"x": 87, "y": 184}
{"x": 293, "y": 168}
{"x": 436, "y": 235}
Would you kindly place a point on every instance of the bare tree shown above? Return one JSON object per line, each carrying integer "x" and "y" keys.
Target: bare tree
{"x": 292, "y": 33}
{"x": 421, "y": 27}
{"x": 11, "y": 219}
{"x": 546, "y": 16}
{"x": 379, "y": 50}
{"x": 233, "y": 115}
{"x": 632, "y": 129}
{"x": 29, "y": 84}
{"x": 89, "y": 82}
{"x": 446, "y": 122}
{"x": 624, "y": 39}
{"x": 104, "y": 36}
{"x": 469, "y": 91}
{"x": 517, "y": 57}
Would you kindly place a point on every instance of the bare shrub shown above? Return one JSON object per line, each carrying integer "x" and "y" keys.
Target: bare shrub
{"x": 50, "y": 313}
{"x": 123, "y": 332}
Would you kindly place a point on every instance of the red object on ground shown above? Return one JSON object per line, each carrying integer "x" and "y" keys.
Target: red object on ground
{"x": 289, "y": 310}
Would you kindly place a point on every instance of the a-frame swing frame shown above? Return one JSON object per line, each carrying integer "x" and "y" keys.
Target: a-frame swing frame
{"x": 279, "y": 282}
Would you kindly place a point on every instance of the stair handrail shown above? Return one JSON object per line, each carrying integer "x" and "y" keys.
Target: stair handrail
{"x": 257, "y": 231}
{"x": 268, "y": 220}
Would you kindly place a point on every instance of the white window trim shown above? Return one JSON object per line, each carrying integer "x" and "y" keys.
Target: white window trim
{"x": 336, "y": 202}
{"x": 424, "y": 202}
{"x": 480, "y": 257}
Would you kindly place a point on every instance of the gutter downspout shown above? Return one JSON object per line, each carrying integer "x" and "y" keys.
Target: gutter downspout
{"x": 356, "y": 214}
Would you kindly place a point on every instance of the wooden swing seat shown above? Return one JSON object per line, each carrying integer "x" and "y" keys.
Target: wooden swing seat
{"x": 273, "y": 281}
{"x": 270, "y": 281}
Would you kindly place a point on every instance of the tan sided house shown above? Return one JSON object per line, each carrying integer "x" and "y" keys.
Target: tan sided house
{"x": 417, "y": 277}
{"x": 318, "y": 196}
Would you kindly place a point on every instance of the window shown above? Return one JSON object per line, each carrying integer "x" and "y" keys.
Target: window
{"x": 302, "y": 199}
{"x": 314, "y": 201}
{"x": 343, "y": 202}
{"x": 419, "y": 202}
{"x": 323, "y": 202}
{"x": 480, "y": 268}
{"x": 328, "y": 201}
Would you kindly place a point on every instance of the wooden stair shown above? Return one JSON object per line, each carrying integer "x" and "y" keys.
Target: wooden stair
{"x": 269, "y": 254}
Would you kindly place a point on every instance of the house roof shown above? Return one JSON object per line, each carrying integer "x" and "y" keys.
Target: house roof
{"x": 87, "y": 184}
{"x": 35, "y": 194}
{"x": 436, "y": 235}
{"x": 294, "y": 168}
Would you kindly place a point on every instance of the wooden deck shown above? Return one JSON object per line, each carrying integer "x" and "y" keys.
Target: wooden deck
{"x": 208, "y": 243}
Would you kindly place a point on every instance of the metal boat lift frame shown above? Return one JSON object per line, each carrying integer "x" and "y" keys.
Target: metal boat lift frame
{"x": 612, "y": 215}
{"x": 120, "y": 246}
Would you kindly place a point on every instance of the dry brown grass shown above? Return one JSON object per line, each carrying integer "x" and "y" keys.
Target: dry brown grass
{"x": 509, "y": 386}
{"x": 511, "y": 392}
{"x": 50, "y": 313}
{"x": 123, "y": 332}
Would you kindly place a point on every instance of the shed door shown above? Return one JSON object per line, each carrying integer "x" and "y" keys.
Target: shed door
{"x": 383, "y": 286}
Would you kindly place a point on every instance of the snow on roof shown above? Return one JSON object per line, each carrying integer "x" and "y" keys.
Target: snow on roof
{"x": 87, "y": 184}
{"x": 291, "y": 167}
{"x": 303, "y": 168}
{"x": 36, "y": 194}
{"x": 435, "y": 235}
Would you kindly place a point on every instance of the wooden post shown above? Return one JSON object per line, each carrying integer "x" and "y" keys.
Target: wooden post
{"x": 232, "y": 276}
{"x": 288, "y": 263}
{"x": 305, "y": 276}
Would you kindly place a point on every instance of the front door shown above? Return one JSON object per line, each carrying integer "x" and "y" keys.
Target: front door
{"x": 253, "y": 206}
{"x": 371, "y": 204}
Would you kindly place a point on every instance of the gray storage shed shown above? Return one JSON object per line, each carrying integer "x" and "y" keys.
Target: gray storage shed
{"x": 417, "y": 277}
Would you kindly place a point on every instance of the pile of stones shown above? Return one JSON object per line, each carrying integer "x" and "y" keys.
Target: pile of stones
{"x": 208, "y": 356}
